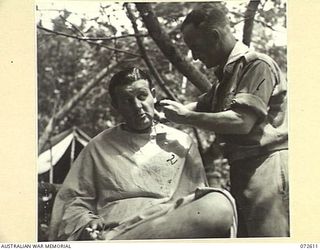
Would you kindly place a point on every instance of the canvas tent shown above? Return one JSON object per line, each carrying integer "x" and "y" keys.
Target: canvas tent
{"x": 55, "y": 159}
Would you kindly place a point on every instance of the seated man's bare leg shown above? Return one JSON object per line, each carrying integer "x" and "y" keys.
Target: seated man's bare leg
{"x": 208, "y": 217}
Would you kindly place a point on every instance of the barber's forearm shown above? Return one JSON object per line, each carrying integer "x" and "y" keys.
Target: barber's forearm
{"x": 237, "y": 121}
{"x": 227, "y": 122}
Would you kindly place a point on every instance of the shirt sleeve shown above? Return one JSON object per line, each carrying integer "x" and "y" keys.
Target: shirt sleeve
{"x": 255, "y": 88}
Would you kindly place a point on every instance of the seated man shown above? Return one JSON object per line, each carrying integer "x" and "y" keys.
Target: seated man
{"x": 140, "y": 179}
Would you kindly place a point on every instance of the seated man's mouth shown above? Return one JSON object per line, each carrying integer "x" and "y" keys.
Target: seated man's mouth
{"x": 144, "y": 116}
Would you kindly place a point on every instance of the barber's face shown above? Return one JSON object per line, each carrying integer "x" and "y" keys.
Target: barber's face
{"x": 203, "y": 47}
{"x": 135, "y": 103}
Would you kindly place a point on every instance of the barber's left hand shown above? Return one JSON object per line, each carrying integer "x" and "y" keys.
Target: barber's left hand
{"x": 175, "y": 111}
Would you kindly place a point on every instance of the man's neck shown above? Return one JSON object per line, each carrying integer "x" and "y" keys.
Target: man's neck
{"x": 132, "y": 130}
{"x": 229, "y": 44}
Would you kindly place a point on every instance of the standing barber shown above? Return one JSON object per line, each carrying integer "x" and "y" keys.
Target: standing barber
{"x": 247, "y": 110}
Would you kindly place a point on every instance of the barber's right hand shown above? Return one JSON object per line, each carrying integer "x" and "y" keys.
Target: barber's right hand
{"x": 93, "y": 229}
{"x": 175, "y": 111}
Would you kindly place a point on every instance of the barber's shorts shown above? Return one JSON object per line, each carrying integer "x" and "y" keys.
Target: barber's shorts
{"x": 260, "y": 187}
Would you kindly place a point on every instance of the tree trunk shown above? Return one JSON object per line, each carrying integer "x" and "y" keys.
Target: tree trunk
{"x": 146, "y": 58}
{"x": 163, "y": 41}
{"x": 249, "y": 21}
{"x": 70, "y": 104}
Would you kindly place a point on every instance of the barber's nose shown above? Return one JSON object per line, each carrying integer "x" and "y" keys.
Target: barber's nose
{"x": 195, "y": 56}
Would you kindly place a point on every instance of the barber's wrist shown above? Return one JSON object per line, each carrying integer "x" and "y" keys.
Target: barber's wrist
{"x": 190, "y": 117}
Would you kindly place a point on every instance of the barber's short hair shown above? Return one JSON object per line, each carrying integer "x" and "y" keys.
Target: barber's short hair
{"x": 207, "y": 15}
{"x": 126, "y": 77}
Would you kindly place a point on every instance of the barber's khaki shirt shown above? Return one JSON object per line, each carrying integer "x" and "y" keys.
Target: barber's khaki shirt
{"x": 250, "y": 81}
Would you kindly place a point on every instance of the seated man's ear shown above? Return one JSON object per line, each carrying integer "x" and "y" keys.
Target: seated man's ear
{"x": 215, "y": 34}
{"x": 153, "y": 92}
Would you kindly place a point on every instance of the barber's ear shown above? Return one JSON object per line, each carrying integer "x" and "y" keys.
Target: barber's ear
{"x": 214, "y": 35}
{"x": 114, "y": 104}
{"x": 153, "y": 92}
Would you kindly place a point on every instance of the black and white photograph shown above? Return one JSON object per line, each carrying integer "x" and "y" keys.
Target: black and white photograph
{"x": 162, "y": 120}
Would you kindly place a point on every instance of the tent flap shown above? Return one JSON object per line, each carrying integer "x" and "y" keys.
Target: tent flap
{"x": 50, "y": 158}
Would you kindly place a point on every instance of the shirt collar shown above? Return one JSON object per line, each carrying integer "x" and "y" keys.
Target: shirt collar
{"x": 237, "y": 52}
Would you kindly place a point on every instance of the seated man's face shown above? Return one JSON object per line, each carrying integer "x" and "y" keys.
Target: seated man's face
{"x": 135, "y": 102}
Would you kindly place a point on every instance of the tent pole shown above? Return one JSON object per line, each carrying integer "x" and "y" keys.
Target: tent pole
{"x": 51, "y": 165}
{"x": 73, "y": 145}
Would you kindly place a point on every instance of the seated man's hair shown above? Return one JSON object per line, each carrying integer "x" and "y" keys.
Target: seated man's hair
{"x": 127, "y": 76}
{"x": 207, "y": 15}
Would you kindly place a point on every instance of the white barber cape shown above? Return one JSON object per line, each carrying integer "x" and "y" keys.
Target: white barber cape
{"x": 127, "y": 178}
